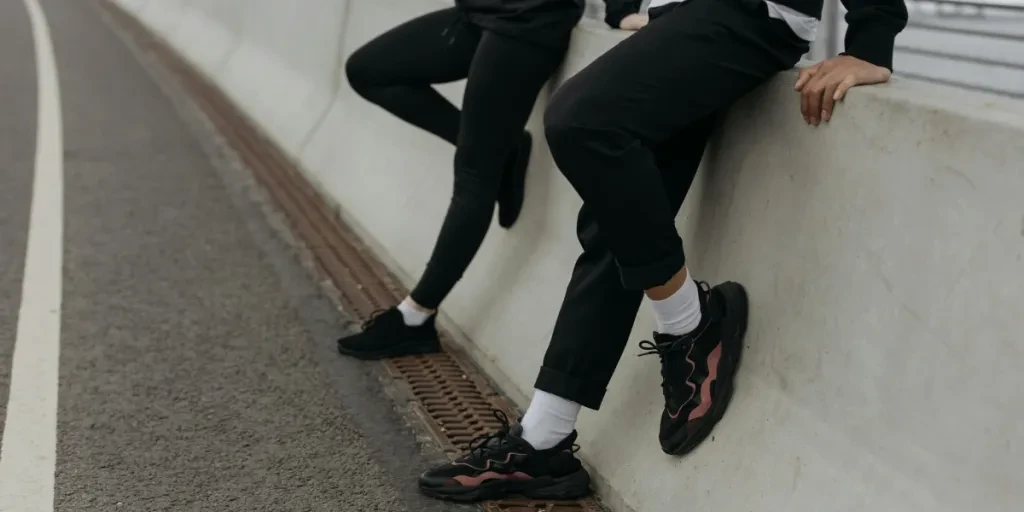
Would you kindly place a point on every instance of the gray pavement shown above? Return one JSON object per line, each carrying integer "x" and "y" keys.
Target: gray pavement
{"x": 17, "y": 151}
{"x": 197, "y": 370}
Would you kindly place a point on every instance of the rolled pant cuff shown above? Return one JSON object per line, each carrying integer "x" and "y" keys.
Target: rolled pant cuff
{"x": 570, "y": 388}
{"x": 653, "y": 274}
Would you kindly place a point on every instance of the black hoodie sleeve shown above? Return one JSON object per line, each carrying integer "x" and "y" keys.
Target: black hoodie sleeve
{"x": 873, "y": 25}
{"x": 615, "y": 10}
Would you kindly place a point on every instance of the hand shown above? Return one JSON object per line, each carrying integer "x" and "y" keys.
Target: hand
{"x": 826, "y": 82}
{"x": 634, "y": 22}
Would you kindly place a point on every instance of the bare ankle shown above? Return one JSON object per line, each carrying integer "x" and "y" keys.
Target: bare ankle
{"x": 666, "y": 290}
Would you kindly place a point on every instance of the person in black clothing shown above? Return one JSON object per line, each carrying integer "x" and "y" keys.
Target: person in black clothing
{"x": 629, "y": 132}
{"x": 507, "y": 50}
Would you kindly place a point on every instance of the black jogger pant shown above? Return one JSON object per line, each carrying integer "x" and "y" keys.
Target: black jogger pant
{"x": 505, "y": 75}
{"x": 629, "y": 132}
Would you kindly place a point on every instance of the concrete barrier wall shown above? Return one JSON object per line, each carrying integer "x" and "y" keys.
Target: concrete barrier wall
{"x": 162, "y": 16}
{"x": 210, "y": 33}
{"x": 884, "y": 255}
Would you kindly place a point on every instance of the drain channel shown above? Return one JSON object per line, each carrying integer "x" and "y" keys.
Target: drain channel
{"x": 451, "y": 398}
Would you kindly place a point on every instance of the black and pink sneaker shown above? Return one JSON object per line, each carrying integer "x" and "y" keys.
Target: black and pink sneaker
{"x": 697, "y": 369}
{"x": 503, "y": 465}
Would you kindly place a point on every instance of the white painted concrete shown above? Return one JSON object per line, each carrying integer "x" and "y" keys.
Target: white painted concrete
{"x": 162, "y": 16}
{"x": 208, "y": 34}
{"x": 287, "y": 69}
{"x": 134, "y": 6}
{"x": 336, "y": 138}
{"x": 28, "y": 454}
{"x": 883, "y": 254}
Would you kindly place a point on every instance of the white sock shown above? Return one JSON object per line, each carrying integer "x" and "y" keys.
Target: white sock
{"x": 680, "y": 313}
{"x": 549, "y": 420}
{"x": 413, "y": 316}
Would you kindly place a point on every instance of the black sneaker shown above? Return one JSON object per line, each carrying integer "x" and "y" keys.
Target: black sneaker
{"x": 697, "y": 369}
{"x": 386, "y": 335}
{"x": 513, "y": 183}
{"x": 503, "y": 465}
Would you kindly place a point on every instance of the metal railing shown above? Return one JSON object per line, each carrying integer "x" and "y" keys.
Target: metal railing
{"x": 969, "y": 44}
{"x": 930, "y": 47}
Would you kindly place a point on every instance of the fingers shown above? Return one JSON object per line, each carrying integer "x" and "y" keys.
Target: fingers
{"x": 828, "y": 98}
{"x": 805, "y": 105}
{"x": 823, "y": 90}
{"x": 807, "y": 85}
{"x": 801, "y": 79}
{"x": 805, "y": 76}
{"x": 813, "y": 95}
{"x": 634, "y": 22}
{"x": 844, "y": 86}
{"x": 822, "y": 85}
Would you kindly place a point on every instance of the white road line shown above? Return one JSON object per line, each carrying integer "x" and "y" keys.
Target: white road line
{"x": 28, "y": 455}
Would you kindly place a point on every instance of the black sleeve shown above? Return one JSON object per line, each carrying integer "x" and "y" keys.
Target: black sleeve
{"x": 873, "y": 25}
{"x": 615, "y": 10}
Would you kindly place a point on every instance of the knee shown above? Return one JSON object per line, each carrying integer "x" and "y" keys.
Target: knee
{"x": 570, "y": 130}
{"x": 359, "y": 69}
{"x": 561, "y": 123}
{"x": 476, "y": 183}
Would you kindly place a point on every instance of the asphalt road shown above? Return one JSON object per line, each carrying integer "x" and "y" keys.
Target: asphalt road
{"x": 196, "y": 369}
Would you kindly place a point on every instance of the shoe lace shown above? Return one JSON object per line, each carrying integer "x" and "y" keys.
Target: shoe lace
{"x": 670, "y": 348}
{"x": 663, "y": 350}
{"x": 481, "y": 445}
{"x": 373, "y": 318}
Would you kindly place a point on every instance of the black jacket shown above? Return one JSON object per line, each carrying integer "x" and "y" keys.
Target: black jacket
{"x": 873, "y": 24}
{"x": 546, "y": 22}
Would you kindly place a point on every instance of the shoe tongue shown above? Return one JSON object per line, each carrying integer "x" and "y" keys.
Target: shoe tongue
{"x": 668, "y": 339}
{"x": 516, "y": 431}
{"x": 516, "y": 437}
{"x": 569, "y": 440}
{"x": 674, "y": 351}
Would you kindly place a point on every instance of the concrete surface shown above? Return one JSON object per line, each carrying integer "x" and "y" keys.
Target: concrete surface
{"x": 883, "y": 254}
{"x": 197, "y": 369}
{"x": 208, "y": 34}
{"x": 287, "y": 65}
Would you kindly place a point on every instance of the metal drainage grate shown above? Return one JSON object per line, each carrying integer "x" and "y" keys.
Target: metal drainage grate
{"x": 451, "y": 398}
{"x": 457, "y": 406}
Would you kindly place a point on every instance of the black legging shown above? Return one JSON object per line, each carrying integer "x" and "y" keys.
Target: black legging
{"x": 505, "y": 75}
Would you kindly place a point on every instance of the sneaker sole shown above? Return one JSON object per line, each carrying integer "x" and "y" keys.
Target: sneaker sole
{"x": 737, "y": 309}
{"x": 412, "y": 348}
{"x": 570, "y": 487}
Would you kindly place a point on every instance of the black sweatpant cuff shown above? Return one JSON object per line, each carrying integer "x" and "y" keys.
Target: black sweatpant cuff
{"x": 653, "y": 274}
{"x": 577, "y": 389}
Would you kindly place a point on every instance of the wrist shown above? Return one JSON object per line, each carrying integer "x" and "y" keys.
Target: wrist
{"x": 871, "y": 44}
{"x": 614, "y": 18}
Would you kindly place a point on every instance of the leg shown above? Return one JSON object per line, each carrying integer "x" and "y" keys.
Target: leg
{"x": 596, "y": 293}
{"x": 605, "y": 128}
{"x": 505, "y": 79}
{"x": 396, "y": 70}
{"x": 684, "y": 66}
{"x": 673, "y": 74}
{"x": 601, "y": 126}
{"x": 597, "y": 309}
